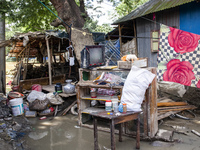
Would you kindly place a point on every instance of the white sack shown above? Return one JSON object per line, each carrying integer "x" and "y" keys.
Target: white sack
{"x": 135, "y": 86}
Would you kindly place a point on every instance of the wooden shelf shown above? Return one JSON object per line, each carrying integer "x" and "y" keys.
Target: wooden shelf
{"x": 101, "y": 98}
{"x": 91, "y": 110}
{"x": 92, "y": 85}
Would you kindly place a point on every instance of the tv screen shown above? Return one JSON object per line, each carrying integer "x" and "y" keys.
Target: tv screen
{"x": 92, "y": 56}
{"x": 96, "y": 55}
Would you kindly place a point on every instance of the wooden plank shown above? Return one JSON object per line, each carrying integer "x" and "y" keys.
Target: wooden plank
{"x": 153, "y": 124}
{"x": 68, "y": 108}
{"x": 176, "y": 108}
{"x": 171, "y": 104}
{"x": 101, "y": 97}
{"x": 166, "y": 114}
{"x": 26, "y": 84}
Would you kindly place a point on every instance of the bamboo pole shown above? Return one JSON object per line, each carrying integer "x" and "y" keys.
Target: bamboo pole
{"x": 49, "y": 61}
{"x": 120, "y": 37}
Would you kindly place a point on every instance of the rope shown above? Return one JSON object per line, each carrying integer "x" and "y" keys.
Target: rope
{"x": 55, "y": 14}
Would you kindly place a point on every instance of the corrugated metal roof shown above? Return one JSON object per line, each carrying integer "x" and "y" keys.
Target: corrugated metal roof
{"x": 151, "y": 7}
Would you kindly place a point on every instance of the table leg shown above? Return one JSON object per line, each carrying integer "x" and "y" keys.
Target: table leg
{"x": 95, "y": 134}
{"x": 112, "y": 133}
{"x": 120, "y": 132}
{"x": 138, "y": 133}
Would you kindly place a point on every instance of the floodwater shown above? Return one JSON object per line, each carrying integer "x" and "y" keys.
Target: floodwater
{"x": 63, "y": 133}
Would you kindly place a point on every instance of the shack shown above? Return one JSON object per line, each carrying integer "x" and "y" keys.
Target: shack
{"x": 139, "y": 25}
{"x": 139, "y": 32}
{"x": 43, "y": 55}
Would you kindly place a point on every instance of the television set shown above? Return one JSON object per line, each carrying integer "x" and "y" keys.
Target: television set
{"x": 93, "y": 56}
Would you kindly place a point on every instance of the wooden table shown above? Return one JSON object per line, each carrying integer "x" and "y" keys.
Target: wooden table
{"x": 116, "y": 118}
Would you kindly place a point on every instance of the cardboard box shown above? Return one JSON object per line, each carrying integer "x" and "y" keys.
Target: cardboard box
{"x": 142, "y": 62}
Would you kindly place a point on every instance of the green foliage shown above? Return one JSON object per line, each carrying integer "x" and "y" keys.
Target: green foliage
{"x": 92, "y": 26}
{"x": 127, "y": 6}
{"x": 30, "y": 14}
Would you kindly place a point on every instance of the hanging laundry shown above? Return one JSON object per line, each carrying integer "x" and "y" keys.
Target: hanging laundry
{"x": 179, "y": 57}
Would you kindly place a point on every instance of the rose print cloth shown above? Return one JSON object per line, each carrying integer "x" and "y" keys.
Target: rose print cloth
{"x": 179, "y": 57}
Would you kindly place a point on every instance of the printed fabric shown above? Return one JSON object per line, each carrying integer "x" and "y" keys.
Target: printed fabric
{"x": 179, "y": 57}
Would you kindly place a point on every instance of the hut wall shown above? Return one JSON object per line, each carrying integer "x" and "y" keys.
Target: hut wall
{"x": 146, "y": 24}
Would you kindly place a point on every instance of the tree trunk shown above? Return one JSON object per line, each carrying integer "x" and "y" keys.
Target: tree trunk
{"x": 69, "y": 12}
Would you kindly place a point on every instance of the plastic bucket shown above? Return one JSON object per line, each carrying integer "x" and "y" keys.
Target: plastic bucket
{"x": 17, "y": 106}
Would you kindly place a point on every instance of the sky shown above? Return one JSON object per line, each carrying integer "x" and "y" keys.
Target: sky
{"x": 106, "y": 8}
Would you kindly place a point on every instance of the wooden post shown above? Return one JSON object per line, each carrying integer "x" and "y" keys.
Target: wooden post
{"x": 26, "y": 64}
{"x": 2, "y": 55}
{"x": 120, "y": 38}
{"x": 49, "y": 61}
{"x": 153, "y": 106}
{"x": 135, "y": 39}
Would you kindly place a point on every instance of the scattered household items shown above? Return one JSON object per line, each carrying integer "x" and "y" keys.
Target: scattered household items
{"x": 93, "y": 93}
{"x": 139, "y": 62}
{"x": 167, "y": 107}
{"x": 38, "y": 105}
{"x": 108, "y": 105}
{"x": 93, "y": 56}
{"x": 116, "y": 119}
{"x": 36, "y": 87}
{"x": 69, "y": 88}
{"x": 46, "y": 112}
{"x": 196, "y": 132}
{"x": 35, "y": 95}
{"x": 29, "y": 113}
{"x": 54, "y": 99}
{"x": 172, "y": 88}
{"x": 12, "y": 95}
{"x": 58, "y": 88}
{"x": 135, "y": 86}
{"x": 130, "y": 57}
{"x": 165, "y": 135}
{"x": 17, "y": 106}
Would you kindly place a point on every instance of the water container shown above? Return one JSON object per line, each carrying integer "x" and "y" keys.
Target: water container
{"x": 17, "y": 106}
{"x": 108, "y": 105}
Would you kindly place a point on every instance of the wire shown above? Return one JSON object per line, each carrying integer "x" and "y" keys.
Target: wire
{"x": 151, "y": 20}
{"x": 132, "y": 36}
{"x": 55, "y": 14}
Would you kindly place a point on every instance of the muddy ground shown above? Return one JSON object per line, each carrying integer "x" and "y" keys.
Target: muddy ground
{"x": 63, "y": 133}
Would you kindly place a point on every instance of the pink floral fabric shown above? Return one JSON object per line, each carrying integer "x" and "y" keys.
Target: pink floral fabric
{"x": 179, "y": 72}
{"x": 183, "y": 41}
{"x": 179, "y": 57}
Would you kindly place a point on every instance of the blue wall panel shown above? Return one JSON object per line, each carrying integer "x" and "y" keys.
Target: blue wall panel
{"x": 190, "y": 17}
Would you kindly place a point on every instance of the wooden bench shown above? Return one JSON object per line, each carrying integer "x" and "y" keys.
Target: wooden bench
{"x": 115, "y": 118}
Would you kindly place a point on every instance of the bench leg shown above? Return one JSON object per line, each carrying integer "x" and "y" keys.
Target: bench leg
{"x": 112, "y": 133}
{"x": 95, "y": 134}
{"x": 138, "y": 133}
{"x": 120, "y": 132}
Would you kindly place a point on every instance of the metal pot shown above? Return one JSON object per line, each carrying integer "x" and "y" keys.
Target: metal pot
{"x": 69, "y": 88}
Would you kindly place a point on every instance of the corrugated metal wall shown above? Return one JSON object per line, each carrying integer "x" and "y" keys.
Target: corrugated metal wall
{"x": 144, "y": 27}
{"x": 190, "y": 17}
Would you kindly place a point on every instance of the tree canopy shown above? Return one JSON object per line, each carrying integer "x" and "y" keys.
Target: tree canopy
{"x": 31, "y": 15}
